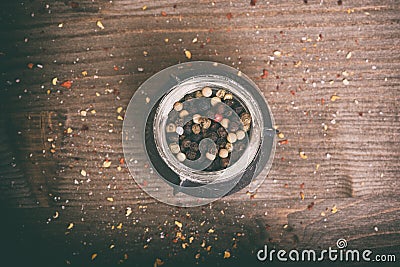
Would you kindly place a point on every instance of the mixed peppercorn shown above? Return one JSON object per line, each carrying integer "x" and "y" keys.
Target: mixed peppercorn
{"x": 210, "y": 113}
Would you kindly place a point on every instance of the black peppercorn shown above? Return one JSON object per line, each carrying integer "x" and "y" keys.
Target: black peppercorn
{"x": 239, "y": 110}
{"x": 196, "y": 137}
{"x": 187, "y": 129}
{"x": 229, "y": 102}
{"x": 191, "y": 155}
{"x": 186, "y": 144}
{"x": 194, "y": 147}
{"x": 213, "y": 136}
{"x": 221, "y": 142}
{"x": 224, "y": 162}
{"x": 222, "y": 132}
{"x": 233, "y": 126}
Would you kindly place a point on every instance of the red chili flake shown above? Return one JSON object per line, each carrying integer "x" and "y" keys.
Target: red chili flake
{"x": 310, "y": 206}
{"x": 285, "y": 185}
{"x": 283, "y": 142}
{"x": 292, "y": 92}
{"x": 121, "y": 161}
{"x": 30, "y": 65}
{"x": 208, "y": 40}
{"x": 145, "y": 183}
{"x": 360, "y": 114}
{"x": 253, "y": 2}
{"x": 229, "y": 16}
{"x": 66, "y": 84}
{"x": 163, "y": 13}
{"x": 115, "y": 68}
{"x": 218, "y": 117}
{"x": 322, "y": 101}
{"x": 265, "y": 74}
{"x": 302, "y": 185}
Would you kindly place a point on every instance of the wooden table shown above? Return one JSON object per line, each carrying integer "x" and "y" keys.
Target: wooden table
{"x": 329, "y": 71}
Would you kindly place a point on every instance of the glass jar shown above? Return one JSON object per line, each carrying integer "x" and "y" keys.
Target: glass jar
{"x": 191, "y": 185}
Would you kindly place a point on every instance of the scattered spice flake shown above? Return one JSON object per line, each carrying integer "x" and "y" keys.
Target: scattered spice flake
{"x": 227, "y": 254}
{"x": 119, "y": 110}
{"x": 106, "y": 163}
{"x": 211, "y": 230}
{"x": 128, "y": 211}
{"x": 30, "y": 65}
{"x": 69, "y": 130}
{"x": 302, "y": 186}
{"x": 83, "y": 173}
{"x": 281, "y": 135}
{"x": 65, "y": 84}
{"x": 334, "y": 209}
{"x": 197, "y": 256}
{"x": 277, "y": 53}
{"x": 84, "y": 73}
{"x": 54, "y": 81}
{"x": 229, "y": 16}
{"x": 310, "y": 206}
{"x": 100, "y": 24}
{"x": 70, "y": 226}
{"x": 348, "y": 56}
{"x": 334, "y": 98}
{"x": 112, "y": 246}
{"x": 94, "y": 255}
{"x": 208, "y": 248}
{"x": 163, "y": 13}
{"x": 188, "y": 54}
{"x": 110, "y": 199}
{"x": 119, "y": 226}
{"x": 179, "y": 224}
{"x": 147, "y": 100}
{"x": 253, "y": 2}
{"x": 158, "y": 262}
{"x": 283, "y": 142}
{"x": 120, "y": 118}
{"x": 265, "y": 74}
{"x": 144, "y": 7}
{"x": 55, "y": 216}
{"x": 345, "y": 81}
{"x": 185, "y": 245}
{"x": 303, "y": 155}
{"x": 302, "y": 195}
{"x": 323, "y": 214}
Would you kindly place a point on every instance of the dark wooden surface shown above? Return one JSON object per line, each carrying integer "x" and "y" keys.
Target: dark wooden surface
{"x": 349, "y": 178}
